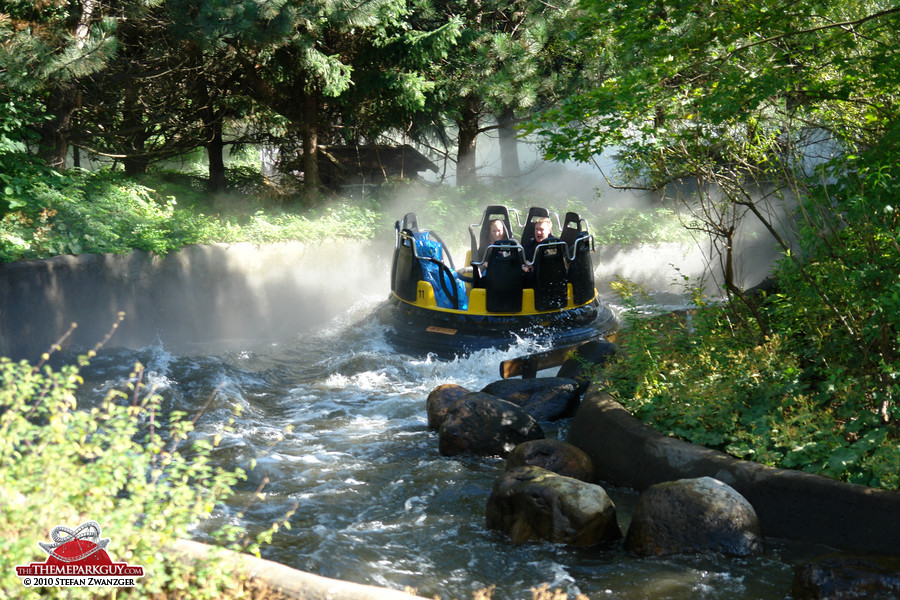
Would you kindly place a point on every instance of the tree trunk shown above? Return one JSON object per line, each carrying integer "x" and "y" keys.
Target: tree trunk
{"x": 62, "y": 103}
{"x": 135, "y": 166}
{"x": 468, "y": 135}
{"x": 135, "y": 159}
{"x": 509, "y": 144}
{"x": 215, "y": 150}
{"x": 212, "y": 136}
{"x": 309, "y": 132}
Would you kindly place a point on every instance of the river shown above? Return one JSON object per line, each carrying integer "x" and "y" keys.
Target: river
{"x": 334, "y": 419}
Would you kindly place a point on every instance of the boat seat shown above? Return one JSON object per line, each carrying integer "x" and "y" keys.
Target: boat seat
{"x": 503, "y": 276}
{"x": 482, "y": 240}
{"x": 572, "y": 227}
{"x": 549, "y": 276}
{"x": 533, "y": 213}
{"x": 581, "y": 268}
{"x": 406, "y": 270}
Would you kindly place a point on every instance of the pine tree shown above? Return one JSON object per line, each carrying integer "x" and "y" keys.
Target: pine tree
{"x": 512, "y": 61}
{"x": 46, "y": 53}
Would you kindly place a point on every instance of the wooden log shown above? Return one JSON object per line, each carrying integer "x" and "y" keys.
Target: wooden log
{"x": 528, "y": 366}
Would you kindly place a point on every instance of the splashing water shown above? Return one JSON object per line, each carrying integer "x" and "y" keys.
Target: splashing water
{"x": 335, "y": 422}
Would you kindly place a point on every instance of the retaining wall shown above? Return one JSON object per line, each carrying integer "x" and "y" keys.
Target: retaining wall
{"x": 201, "y": 294}
{"x": 221, "y": 292}
{"x": 790, "y": 504}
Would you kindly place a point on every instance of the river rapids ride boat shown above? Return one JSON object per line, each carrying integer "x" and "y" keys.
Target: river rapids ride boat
{"x": 502, "y": 294}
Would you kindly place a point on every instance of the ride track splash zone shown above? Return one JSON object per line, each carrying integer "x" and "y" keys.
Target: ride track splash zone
{"x": 78, "y": 558}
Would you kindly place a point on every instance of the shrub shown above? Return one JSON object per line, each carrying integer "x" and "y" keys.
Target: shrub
{"x": 122, "y": 463}
{"x": 702, "y": 377}
{"x": 635, "y": 226}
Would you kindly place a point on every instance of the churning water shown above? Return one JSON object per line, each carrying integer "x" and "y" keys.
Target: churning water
{"x": 335, "y": 423}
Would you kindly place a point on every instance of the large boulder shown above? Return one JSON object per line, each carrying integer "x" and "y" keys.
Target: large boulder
{"x": 848, "y": 577}
{"x": 484, "y": 425}
{"x": 587, "y": 360}
{"x": 533, "y": 504}
{"x": 557, "y": 456}
{"x": 544, "y": 398}
{"x": 693, "y": 515}
{"x": 439, "y": 402}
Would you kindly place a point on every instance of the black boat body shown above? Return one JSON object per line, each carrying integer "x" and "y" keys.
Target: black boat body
{"x": 432, "y": 308}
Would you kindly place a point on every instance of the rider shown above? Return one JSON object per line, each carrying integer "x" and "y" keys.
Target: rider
{"x": 498, "y": 231}
{"x": 543, "y": 232}
{"x": 497, "y": 234}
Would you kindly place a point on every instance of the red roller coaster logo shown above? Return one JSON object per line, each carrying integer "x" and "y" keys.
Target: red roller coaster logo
{"x": 78, "y": 558}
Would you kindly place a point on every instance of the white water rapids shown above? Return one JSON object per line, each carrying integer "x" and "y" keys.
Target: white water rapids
{"x": 335, "y": 422}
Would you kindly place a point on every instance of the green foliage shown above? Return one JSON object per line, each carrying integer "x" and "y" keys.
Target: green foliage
{"x": 700, "y": 377}
{"x": 706, "y": 88}
{"x": 634, "y": 226}
{"x": 19, "y": 170}
{"x": 758, "y": 106}
{"x": 97, "y": 213}
{"x": 839, "y": 304}
{"x": 107, "y": 212}
{"x": 140, "y": 472}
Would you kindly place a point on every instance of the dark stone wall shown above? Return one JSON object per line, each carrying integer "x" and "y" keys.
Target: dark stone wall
{"x": 198, "y": 295}
{"x": 790, "y": 504}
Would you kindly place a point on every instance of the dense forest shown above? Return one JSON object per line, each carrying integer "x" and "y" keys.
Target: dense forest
{"x": 145, "y": 81}
{"x": 782, "y": 114}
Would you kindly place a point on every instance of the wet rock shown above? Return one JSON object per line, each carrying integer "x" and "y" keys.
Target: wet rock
{"x": 588, "y": 359}
{"x": 846, "y": 578}
{"x": 484, "y": 425}
{"x": 544, "y": 398}
{"x": 533, "y": 504}
{"x": 439, "y": 402}
{"x": 693, "y": 515}
{"x": 557, "y": 456}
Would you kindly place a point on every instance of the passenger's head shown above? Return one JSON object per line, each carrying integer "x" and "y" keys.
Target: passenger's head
{"x": 498, "y": 230}
{"x": 542, "y": 229}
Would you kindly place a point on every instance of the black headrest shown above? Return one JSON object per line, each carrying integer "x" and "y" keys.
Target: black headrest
{"x": 490, "y": 213}
{"x": 410, "y": 222}
{"x": 571, "y": 228}
{"x": 533, "y": 213}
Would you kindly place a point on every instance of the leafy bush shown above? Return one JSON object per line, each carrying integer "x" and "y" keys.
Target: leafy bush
{"x": 635, "y": 226}
{"x": 106, "y": 212}
{"x": 700, "y": 377}
{"x": 97, "y": 213}
{"x": 123, "y": 463}
{"x": 19, "y": 169}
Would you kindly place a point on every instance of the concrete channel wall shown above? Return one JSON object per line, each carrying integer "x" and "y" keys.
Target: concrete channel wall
{"x": 201, "y": 294}
{"x": 221, "y": 292}
{"x": 790, "y": 504}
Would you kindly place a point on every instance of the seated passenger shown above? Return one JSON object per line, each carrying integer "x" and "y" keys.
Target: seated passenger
{"x": 498, "y": 231}
{"x": 497, "y": 234}
{"x": 543, "y": 232}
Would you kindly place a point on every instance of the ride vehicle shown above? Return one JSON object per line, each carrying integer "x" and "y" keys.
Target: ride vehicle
{"x": 500, "y": 296}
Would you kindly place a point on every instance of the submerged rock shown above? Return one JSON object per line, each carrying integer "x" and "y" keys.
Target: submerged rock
{"x": 544, "y": 398}
{"x": 848, "y": 577}
{"x": 484, "y": 425}
{"x": 557, "y": 456}
{"x": 533, "y": 504}
{"x": 693, "y": 515}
